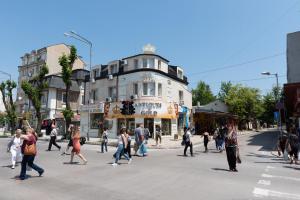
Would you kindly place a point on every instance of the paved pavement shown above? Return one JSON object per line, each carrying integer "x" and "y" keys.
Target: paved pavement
{"x": 164, "y": 174}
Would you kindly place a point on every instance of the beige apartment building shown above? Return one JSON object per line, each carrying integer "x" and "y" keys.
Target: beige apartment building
{"x": 53, "y": 100}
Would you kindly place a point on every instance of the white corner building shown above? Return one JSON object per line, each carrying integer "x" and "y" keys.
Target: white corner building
{"x": 158, "y": 90}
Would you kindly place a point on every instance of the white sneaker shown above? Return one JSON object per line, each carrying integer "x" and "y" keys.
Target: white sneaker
{"x": 129, "y": 161}
{"x": 13, "y": 167}
{"x": 114, "y": 164}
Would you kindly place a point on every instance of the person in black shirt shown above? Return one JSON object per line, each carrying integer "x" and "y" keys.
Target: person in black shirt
{"x": 293, "y": 141}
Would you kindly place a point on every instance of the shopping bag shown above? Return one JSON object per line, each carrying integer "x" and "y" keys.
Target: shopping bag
{"x": 286, "y": 155}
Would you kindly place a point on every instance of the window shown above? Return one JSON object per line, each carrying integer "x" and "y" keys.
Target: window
{"x": 159, "y": 90}
{"x": 136, "y": 63}
{"x": 159, "y": 64}
{"x": 180, "y": 74}
{"x": 113, "y": 69}
{"x": 148, "y": 63}
{"x": 96, "y": 118}
{"x": 135, "y": 89}
{"x": 144, "y": 63}
{"x": 149, "y": 89}
{"x": 64, "y": 98}
{"x": 180, "y": 95}
{"x": 94, "y": 94}
{"x": 112, "y": 92}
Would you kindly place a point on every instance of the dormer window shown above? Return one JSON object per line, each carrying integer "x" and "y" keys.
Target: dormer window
{"x": 180, "y": 74}
{"x": 136, "y": 63}
{"x": 114, "y": 69}
{"x": 148, "y": 62}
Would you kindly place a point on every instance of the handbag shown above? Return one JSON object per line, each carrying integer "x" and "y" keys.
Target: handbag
{"x": 30, "y": 149}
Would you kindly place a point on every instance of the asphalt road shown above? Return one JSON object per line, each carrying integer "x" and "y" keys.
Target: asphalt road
{"x": 164, "y": 174}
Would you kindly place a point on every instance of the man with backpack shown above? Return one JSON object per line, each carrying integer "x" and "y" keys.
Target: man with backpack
{"x": 186, "y": 141}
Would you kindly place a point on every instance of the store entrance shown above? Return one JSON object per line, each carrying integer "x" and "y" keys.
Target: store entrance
{"x": 149, "y": 123}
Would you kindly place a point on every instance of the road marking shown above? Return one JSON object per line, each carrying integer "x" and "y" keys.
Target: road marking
{"x": 270, "y": 167}
{"x": 258, "y": 192}
{"x": 282, "y": 177}
{"x": 264, "y": 182}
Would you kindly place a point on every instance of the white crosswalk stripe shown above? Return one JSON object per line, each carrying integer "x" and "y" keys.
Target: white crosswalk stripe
{"x": 261, "y": 193}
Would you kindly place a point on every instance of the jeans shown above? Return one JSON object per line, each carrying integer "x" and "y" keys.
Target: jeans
{"x": 53, "y": 141}
{"x": 143, "y": 149}
{"x": 120, "y": 149}
{"x": 103, "y": 144}
{"x": 188, "y": 144}
{"x": 29, "y": 160}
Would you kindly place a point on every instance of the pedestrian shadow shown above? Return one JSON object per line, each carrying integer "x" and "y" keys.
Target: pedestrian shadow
{"x": 7, "y": 166}
{"x": 265, "y": 139}
{"x": 119, "y": 163}
{"x": 221, "y": 169}
{"x": 259, "y": 155}
{"x": 280, "y": 162}
{"x": 71, "y": 163}
{"x": 17, "y": 177}
{"x": 291, "y": 167}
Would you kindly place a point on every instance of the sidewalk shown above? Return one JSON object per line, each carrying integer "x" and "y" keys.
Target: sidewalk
{"x": 168, "y": 142}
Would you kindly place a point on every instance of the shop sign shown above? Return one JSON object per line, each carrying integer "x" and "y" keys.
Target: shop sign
{"x": 149, "y": 112}
{"x": 148, "y": 105}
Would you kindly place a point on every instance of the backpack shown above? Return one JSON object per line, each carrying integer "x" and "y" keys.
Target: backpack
{"x": 183, "y": 139}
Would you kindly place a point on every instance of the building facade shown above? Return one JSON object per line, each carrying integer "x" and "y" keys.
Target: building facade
{"x": 157, "y": 91}
{"x": 32, "y": 63}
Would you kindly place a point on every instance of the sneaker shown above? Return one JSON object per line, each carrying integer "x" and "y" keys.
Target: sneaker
{"x": 129, "y": 161}
{"x": 85, "y": 162}
{"x": 41, "y": 173}
{"x": 13, "y": 167}
{"x": 114, "y": 164}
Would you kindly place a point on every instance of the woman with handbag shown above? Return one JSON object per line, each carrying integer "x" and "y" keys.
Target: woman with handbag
{"x": 76, "y": 145}
{"x": 122, "y": 145}
{"x": 29, "y": 151}
{"x": 14, "y": 147}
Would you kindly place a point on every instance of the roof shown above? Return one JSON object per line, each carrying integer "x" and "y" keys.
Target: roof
{"x": 147, "y": 54}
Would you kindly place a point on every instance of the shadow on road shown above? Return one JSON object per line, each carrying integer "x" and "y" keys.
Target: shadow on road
{"x": 267, "y": 140}
{"x": 292, "y": 167}
{"x": 220, "y": 169}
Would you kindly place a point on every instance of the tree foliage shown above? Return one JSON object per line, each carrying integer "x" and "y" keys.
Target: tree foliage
{"x": 224, "y": 90}
{"x": 203, "y": 94}
{"x": 34, "y": 91}
{"x": 244, "y": 102}
{"x": 7, "y": 88}
{"x": 67, "y": 63}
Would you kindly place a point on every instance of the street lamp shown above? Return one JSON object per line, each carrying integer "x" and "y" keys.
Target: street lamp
{"x": 76, "y": 36}
{"x": 277, "y": 95}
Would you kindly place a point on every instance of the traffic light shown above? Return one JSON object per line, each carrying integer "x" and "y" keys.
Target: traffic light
{"x": 131, "y": 108}
{"x": 125, "y": 108}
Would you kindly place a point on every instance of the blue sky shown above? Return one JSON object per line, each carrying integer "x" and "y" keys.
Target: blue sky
{"x": 195, "y": 34}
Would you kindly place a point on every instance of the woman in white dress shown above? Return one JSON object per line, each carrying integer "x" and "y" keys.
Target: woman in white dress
{"x": 14, "y": 147}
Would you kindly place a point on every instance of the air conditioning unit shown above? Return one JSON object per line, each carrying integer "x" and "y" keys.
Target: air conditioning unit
{"x": 110, "y": 77}
{"x": 93, "y": 80}
{"x": 108, "y": 99}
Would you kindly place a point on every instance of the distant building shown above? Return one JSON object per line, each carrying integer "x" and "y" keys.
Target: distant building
{"x": 53, "y": 99}
{"x": 157, "y": 90}
{"x": 292, "y": 88}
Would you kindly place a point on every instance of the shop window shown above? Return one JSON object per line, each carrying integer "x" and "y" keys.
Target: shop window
{"x": 135, "y": 89}
{"x": 128, "y": 123}
{"x": 166, "y": 126}
{"x": 95, "y": 119}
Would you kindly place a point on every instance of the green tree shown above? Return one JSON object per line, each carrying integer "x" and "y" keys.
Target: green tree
{"x": 3, "y": 119}
{"x": 224, "y": 90}
{"x": 203, "y": 94}
{"x": 34, "y": 91}
{"x": 245, "y": 102}
{"x": 269, "y": 104}
{"x": 67, "y": 63}
{"x": 10, "y": 106}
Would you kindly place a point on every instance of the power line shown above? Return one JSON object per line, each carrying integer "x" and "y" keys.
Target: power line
{"x": 238, "y": 64}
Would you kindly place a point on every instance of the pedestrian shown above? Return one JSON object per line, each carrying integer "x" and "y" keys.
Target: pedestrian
{"x": 70, "y": 143}
{"x": 231, "y": 148}
{"x": 128, "y": 149}
{"x": 29, "y": 152}
{"x": 146, "y": 135}
{"x": 205, "y": 140}
{"x": 293, "y": 148}
{"x": 142, "y": 146}
{"x": 157, "y": 134}
{"x": 138, "y": 137}
{"x": 14, "y": 147}
{"x": 122, "y": 145}
{"x": 104, "y": 140}
{"x": 76, "y": 145}
{"x": 53, "y": 136}
{"x": 216, "y": 138}
{"x": 187, "y": 141}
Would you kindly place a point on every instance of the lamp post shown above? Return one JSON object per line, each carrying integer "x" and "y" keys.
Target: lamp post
{"x": 84, "y": 40}
{"x": 277, "y": 95}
